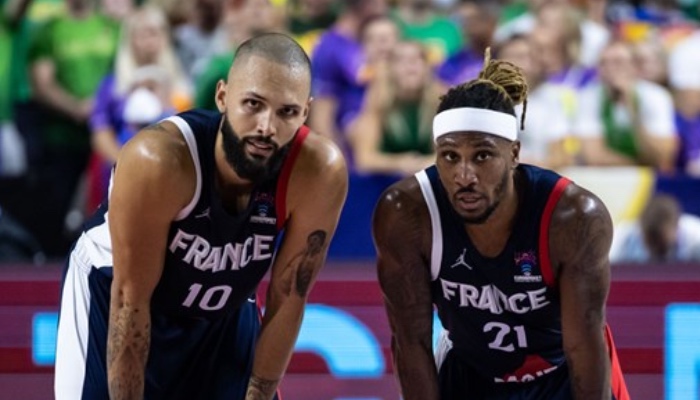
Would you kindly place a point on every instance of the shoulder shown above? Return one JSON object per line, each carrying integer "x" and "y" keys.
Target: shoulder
{"x": 320, "y": 167}
{"x": 580, "y": 221}
{"x": 404, "y": 196}
{"x": 577, "y": 203}
{"x": 401, "y": 216}
{"x": 320, "y": 156}
{"x": 160, "y": 146}
{"x": 652, "y": 92}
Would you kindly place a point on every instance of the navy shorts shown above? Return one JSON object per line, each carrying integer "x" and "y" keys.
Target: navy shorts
{"x": 189, "y": 358}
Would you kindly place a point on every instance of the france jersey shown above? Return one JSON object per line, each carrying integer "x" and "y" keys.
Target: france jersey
{"x": 204, "y": 320}
{"x": 501, "y": 314}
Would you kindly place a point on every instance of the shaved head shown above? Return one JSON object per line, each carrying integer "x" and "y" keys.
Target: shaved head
{"x": 274, "y": 47}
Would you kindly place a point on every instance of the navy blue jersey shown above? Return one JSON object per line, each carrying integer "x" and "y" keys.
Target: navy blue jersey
{"x": 204, "y": 316}
{"x": 502, "y": 313}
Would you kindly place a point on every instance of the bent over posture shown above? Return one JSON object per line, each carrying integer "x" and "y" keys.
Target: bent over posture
{"x": 514, "y": 258}
{"x": 158, "y": 299}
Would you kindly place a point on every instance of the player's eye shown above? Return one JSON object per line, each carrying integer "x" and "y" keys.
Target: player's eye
{"x": 449, "y": 156}
{"x": 289, "y": 112}
{"x": 483, "y": 156}
{"x": 251, "y": 104}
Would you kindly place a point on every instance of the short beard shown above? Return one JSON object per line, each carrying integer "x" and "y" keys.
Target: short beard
{"x": 253, "y": 169}
{"x": 498, "y": 193}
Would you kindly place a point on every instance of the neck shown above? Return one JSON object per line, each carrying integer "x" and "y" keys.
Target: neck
{"x": 409, "y": 95}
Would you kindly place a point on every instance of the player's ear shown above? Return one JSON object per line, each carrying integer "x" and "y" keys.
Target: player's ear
{"x": 305, "y": 112}
{"x": 515, "y": 153}
{"x": 220, "y": 96}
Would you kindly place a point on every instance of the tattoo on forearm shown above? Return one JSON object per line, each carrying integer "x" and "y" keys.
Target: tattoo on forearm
{"x": 127, "y": 350}
{"x": 310, "y": 258}
{"x": 261, "y": 389}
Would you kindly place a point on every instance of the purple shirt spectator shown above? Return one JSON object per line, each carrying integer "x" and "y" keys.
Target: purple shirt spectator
{"x": 461, "y": 67}
{"x": 574, "y": 77}
{"x": 689, "y": 135}
{"x": 337, "y": 64}
{"x": 108, "y": 112}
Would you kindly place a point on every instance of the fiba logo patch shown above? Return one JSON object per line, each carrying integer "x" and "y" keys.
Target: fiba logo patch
{"x": 263, "y": 210}
{"x": 526, "y": 261}
{"x": 264, "y": 204}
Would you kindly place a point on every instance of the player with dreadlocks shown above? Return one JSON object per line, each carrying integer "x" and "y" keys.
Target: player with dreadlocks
{"x": 513, "y": 257}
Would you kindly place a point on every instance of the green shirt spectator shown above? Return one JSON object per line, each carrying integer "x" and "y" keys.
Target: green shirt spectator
{"x": 418, "y": 21}
{"x": 205, "y": 86}
{"x": 81, "y": 52}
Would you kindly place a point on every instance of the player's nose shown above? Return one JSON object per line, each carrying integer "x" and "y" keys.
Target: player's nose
{"x": 465, "y": 174}
{"x": 266, "y": 123}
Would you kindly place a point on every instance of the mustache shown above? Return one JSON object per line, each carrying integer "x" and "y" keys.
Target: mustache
{"x": 467, "y": 189}
{"x": 260, "y": 139}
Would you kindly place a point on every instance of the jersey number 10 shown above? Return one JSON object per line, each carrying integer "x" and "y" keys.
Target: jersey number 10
{"x": 208, "y": 301}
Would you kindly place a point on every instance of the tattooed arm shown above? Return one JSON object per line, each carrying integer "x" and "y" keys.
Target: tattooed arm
{"x": 317, "y": 190}
{"x": 401, "y": 230}
{"x": 154, "y": 162}
{"x": 580, "y": 238}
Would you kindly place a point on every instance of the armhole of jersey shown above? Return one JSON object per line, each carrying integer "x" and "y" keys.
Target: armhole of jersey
{"x": 436, "y": 247}
{"x": 545, "y": 262}
{"x": 187, "y": 133}
{"x": 285, "y": 173}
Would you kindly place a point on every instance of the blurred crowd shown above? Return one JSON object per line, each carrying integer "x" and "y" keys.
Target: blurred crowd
{"x": 611, "y": 83}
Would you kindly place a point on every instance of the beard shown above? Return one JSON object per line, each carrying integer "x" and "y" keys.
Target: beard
{"x": 498, "y": 196}
{"x": 253, "y": 168}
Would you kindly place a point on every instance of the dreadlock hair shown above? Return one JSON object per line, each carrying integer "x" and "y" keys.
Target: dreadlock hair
{"x": 500, "y": 86}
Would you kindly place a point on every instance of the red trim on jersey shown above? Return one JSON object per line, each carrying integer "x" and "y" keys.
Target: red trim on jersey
{"x": 545, "y": 264}
{"x": 617, "y": 380}
{"x": 283, "y": 180}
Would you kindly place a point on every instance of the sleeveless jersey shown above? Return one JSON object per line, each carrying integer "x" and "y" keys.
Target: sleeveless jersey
{"x": 204, "y": 320}
{"x": 214, "y": 260}
{"x": 502, "y": 313}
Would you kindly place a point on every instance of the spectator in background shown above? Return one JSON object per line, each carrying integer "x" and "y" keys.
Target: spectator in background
{"x": 242, "y": 21}
{"x": 12, "y": 151}
{"x": 651, "y": 60}
{"x": 308, "y": 19}
{"x": 663, "y": 233}
{"x": 623, "y": 120}
{"x": 145, "y": 59}
{"x": 684, "y": 79}
{"x": 338, "y": 63}
{"x": 547, "y": 126}
{"x": 378, "y": 36}
{"x": 393, "y": 133}
{"x": 552, "y": 14}
{"x": 419, "y": 20}
{"x": 202, "y": 37}
{"x": 558, "y": 39}
{"x": 69, "y": 57}
{"x": 478, "y": 20}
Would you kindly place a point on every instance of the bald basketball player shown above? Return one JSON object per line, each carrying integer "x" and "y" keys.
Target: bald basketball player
{"x": 158, "y": 299}
{"x": 513, "y": 257}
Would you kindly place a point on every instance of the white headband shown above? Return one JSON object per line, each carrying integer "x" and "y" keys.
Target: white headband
{"x": 475, "y": 119}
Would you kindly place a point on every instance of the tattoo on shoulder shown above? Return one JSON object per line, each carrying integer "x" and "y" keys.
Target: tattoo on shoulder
{"x": 261, "y": 389}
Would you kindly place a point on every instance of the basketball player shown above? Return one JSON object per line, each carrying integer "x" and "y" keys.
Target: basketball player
{"x": 514, "y": 257}
{"x": 158, "y": 296}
